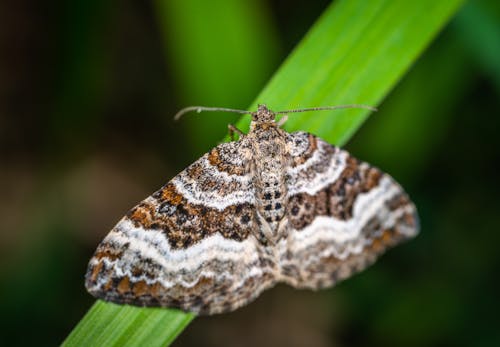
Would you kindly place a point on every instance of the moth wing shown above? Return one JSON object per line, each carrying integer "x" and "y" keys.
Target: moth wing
{"x": 190, "y": 245}
{"x": 342, "y": 214}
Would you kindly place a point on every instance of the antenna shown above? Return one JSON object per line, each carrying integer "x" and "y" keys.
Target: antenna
{"x": 199, "y": 109}
{"x": 324, "y": 108}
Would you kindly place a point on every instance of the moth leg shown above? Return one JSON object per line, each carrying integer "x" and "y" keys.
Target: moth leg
{"x": 266, "y": 229}
{"x": 282, "y": 120}
{"x": 282, "y": 229}
{"x": 232, "y": 129}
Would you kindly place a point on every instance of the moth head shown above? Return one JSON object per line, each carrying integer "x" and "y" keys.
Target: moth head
{"x": 263, "y": 115}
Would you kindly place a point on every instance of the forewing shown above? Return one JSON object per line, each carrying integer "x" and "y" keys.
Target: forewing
{"x": 190, "y": 245}
{"x": 342, "y": 214}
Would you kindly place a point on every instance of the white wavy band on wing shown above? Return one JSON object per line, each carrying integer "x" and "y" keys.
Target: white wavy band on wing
{"x": 367, "y": 205}
{"x": 153, "y": 244}
{"x": 320, "y": 180}
{"x": 193, "y": 191}
{"x": 176, "y": 279}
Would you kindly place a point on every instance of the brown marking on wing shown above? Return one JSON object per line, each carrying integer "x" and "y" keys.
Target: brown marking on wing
{"x": 107, "y": 251}
{"x": 95, "y": 271}
{"x": 216, "y": 159}
{"x": 156, "y": 289}
{"x": 195, "y": 170}
{"x": 337, "y": 199}
{"x": 207, "y": 296}
{"x": 170, "y": 194}
{"x": 410, "y": 220}
{"x": 186, "y": 224}
{"x": 124, "y": 285}
{"x": 143, "y": 214}
{"x": 397, "y": 201}
{"x": 108, "y": 285}
{"x": 140, "y": 288}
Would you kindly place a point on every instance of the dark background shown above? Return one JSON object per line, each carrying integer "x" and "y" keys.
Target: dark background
{"x": 87, "y": 94}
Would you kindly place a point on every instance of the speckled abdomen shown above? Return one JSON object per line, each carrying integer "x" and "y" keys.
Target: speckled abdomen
{"x": 270, "y": 181}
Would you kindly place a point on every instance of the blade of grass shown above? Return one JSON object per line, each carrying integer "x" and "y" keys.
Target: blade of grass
{"x": 356, "y": 52}
{"x": 412, "y": 134}
{"x": 107, "y": 324}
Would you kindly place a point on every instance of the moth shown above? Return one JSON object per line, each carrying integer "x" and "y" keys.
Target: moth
{"x": 270, "y": 207}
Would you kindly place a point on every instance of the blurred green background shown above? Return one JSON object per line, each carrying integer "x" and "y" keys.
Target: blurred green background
{"x": 87, "y": 94}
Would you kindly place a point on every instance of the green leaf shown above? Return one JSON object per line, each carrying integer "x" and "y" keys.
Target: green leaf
{"x": 109, "y": 325}
{"x": 355, "y": 53}
{"x": 412, "y": 134}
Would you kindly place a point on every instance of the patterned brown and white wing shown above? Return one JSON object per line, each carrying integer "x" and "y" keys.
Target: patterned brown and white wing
{"x": 342, "y": 214}
{"x": 190, "y": 245}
